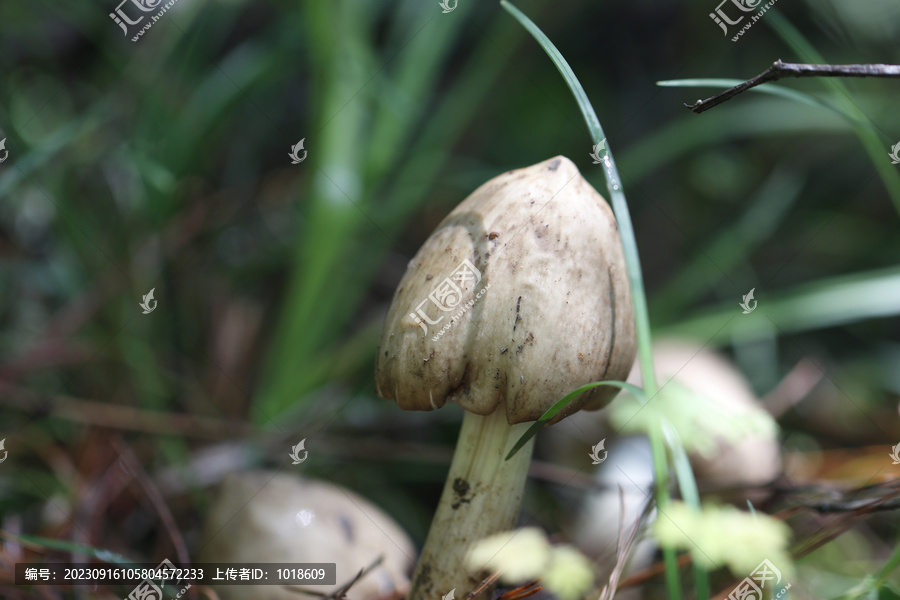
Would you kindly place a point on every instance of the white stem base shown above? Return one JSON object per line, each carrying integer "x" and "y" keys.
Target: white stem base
{"x": 482, "y": 496}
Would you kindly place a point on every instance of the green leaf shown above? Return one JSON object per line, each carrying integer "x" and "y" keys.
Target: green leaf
{"x": 887, "y": 592}
{"x": 560, "y": 404}
{"x": 75, "y": 548}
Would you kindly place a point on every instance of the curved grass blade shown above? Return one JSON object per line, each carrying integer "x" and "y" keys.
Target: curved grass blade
{"x": 689, "y": 492}
{"x": 892, "y": 563}
{"x": 617, "y": 195}
{"x": 823, "y": 303}
{"x": 766, "y": 88}
{"x": 107, "y": 556}
{"x": 639, "y": 298}
{"x": 560, "y": 404}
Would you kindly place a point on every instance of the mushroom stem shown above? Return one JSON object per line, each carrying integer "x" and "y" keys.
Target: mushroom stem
{"x": 482, "y": 496}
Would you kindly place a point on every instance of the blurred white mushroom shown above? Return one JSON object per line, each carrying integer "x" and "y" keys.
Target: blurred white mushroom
{"x": 750, "y": 458}
{"x": 267, "y": 517}
{"x": 742, "y": 449}
{"x": 597, "y": 525}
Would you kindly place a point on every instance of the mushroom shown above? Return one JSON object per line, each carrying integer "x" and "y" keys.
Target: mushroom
{"x": 626, "y": 482}
{"x": 738, "y": 462}
{"x": 518, "y": 297}
{"x": 269, "y": 517}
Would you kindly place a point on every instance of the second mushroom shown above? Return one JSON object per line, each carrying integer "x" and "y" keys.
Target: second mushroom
{"x": 518, "y": 297}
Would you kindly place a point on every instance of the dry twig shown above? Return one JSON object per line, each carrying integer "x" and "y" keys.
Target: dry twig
{"x": 341, "y": 592}
{"x": 488, "y": 582}
{"x": 128, "y": 459}
{"x": 780, "y": 70}
{"x": 623, "y": 547}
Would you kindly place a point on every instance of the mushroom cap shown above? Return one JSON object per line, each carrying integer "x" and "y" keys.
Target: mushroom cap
{"x": 518, "y": 297}
{"x": 268, "y": 517}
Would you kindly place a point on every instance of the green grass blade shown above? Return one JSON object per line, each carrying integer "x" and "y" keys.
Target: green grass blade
{"x": 689, "y": 492}
{"x": 75, "y": 548}
{"x": 313, "y": 308}
{"x": 632, "y": 260}
{"x": 766, "y": 88}
{"x": 824, "y": 303}
{"x": 892, "y": 563}
{"x": 416, "y": 75}
{"x": 619, "y": 204}
{"x": 560, "y": 404}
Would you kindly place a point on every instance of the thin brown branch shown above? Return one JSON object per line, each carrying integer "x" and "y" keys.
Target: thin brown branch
{"x": 623, "y": 546}
{"x": 520, "y": 593}
{"x": 793, "y": 388}
{"x": 117, "y": 416}
{"x": 340, "y": 592}
{"x": 827, "y": 506}
{"x": 862, "y": 500}
{"x": 128, "y": 458}
{"x": 780, "y": 70}
{"x": 128, "y": 418}
{"x": 489, "y": 581}
{"x": 654, "y": 570}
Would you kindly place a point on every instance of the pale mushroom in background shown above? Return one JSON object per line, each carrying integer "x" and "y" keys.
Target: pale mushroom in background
{"x": 596, "y": 526}
{"x": 738, "y": 468}
{"x": 267, "y": 517}
{"x": 751, "y": 460}
{"x": 525, "y": 290}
